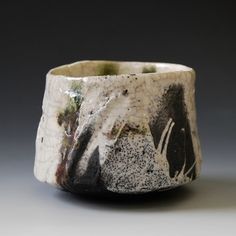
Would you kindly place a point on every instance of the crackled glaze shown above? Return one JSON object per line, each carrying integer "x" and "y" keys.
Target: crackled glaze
{"x": 125, "y": 127}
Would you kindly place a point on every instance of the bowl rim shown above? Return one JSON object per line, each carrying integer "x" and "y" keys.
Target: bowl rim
{"x": 64, "y": 70}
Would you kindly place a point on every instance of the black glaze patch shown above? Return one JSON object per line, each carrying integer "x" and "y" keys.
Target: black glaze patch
{"x": 125, "y": 92}
{"x": 90, "y": 181}
{"x": 180, "y": 147}
{"x": 66, "y": 172}
{"x": 92, "y": 173}
{"x": 76, "y": 155}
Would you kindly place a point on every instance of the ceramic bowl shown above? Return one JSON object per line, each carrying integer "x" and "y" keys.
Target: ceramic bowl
{"x": 123, "y": 127}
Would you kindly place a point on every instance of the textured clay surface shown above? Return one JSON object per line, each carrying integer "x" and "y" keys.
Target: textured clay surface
{"x": 124, "y": 127}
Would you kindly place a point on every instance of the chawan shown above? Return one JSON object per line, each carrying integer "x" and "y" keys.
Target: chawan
{"x": 123, "y": 127}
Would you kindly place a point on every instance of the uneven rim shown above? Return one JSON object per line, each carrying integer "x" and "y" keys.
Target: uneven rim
{"x": 170, "y": 68}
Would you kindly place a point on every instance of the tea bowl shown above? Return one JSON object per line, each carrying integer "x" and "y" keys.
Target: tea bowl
{"x": 120, "y": 127}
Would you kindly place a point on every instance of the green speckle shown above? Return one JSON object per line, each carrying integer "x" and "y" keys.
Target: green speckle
{"x": 108, "y": 69}
{"x": 69, "y": 114}
{"x": 149, "y": 69}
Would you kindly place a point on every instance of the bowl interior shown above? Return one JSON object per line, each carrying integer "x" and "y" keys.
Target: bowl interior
{"x": 102, "y": 68}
